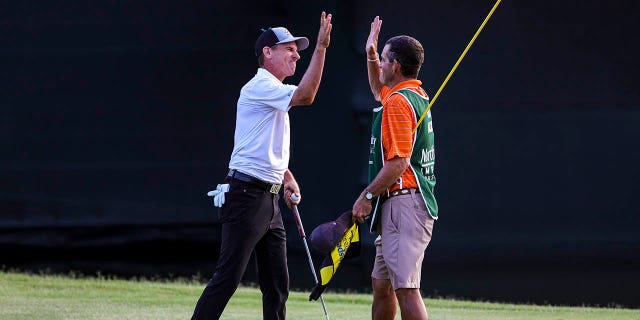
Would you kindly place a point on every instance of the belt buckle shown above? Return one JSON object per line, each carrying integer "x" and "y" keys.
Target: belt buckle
{"x": 400, "y": 192}
{"x": 275, "y": 188}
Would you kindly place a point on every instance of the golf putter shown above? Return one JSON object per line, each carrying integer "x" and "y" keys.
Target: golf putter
{"x": 296, "y": 216}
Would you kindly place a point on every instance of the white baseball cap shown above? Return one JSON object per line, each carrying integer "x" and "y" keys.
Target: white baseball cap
{"x": 273, "y": 36}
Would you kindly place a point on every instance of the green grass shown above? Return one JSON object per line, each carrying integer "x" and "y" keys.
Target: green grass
{"x": 51, "y": 297}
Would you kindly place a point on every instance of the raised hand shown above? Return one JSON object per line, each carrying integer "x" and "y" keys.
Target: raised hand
{"x": 372, "y": 41}
{"x": 324, "y": 35}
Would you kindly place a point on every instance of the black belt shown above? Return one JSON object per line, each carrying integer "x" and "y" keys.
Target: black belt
{"x": 271, "y": 187}
{"x": 400, "y": 192}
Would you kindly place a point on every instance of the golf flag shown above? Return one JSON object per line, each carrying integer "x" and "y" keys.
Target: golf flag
{"x": 349, "y": 246}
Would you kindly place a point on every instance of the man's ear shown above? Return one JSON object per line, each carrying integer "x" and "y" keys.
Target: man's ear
{"x": 266, "y": 51}
{"x": 396, "y": 66}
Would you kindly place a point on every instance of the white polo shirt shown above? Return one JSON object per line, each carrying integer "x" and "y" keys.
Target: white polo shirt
{"x": 261, "y": 142}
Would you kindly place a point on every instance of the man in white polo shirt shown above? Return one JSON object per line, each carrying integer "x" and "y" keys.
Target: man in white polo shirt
{"x": 248, "y": 199}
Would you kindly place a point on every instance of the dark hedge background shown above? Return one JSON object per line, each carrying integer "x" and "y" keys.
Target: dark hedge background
{"x": 116, "y": 118}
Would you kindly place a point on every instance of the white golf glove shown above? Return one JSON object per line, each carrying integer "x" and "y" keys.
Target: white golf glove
{"x": 218, "y": 194}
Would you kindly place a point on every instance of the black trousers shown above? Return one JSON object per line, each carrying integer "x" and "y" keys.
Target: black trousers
{"x": 251, "y": 221}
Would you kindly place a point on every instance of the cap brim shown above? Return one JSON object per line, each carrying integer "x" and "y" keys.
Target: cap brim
{"x": 301, "y": 42}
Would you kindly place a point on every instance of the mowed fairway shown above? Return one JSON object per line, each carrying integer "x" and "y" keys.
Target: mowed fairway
{"x": 49, "y": 297}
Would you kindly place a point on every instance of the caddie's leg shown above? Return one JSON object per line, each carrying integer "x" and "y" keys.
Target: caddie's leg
{"x": 411, "y": 304}
{"x": 384, "y": 300}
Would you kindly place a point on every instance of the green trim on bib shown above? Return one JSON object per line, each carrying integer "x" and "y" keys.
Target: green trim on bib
{"x": 422, "y": 159}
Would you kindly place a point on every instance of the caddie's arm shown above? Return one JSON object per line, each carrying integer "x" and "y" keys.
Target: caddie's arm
{"x": 373, "y": 58}
{"x": 308, "y": 86}
{"x": 388, "y": 175}
{"x": 290, "y": 186}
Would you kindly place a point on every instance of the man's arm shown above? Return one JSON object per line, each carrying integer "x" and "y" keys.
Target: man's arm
{"x": 308, "y": 87}
{"x": 373, "y": 59}
{"x": 390, "y": 172}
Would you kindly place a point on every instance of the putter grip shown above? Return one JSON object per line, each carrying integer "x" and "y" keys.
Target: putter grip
{"x": 296, "y": 217}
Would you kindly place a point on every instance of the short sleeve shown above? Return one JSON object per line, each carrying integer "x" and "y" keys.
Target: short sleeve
{"x": 397, "y": 127}
{"x": 274, "y": 93}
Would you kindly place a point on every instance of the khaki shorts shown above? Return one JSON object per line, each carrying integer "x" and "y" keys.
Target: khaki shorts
{"x": 406, "y": 228}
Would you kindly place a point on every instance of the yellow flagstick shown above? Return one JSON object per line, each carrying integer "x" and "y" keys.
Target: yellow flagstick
{"x": 456, "y": 65}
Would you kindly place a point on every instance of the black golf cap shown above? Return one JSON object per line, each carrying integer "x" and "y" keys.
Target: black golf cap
{"x": 339, "y": 240}
{"x": 273, "y": 36}
{"x": 326, "y": 236}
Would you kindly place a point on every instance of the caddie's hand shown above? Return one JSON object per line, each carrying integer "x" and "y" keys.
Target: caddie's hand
{"x": 361, "y": 209}
{"x": 372, "y": 41}
{"x": 324, "y": 35}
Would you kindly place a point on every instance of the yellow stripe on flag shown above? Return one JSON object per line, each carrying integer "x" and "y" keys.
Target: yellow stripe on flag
{"x": 338, "y": 253}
